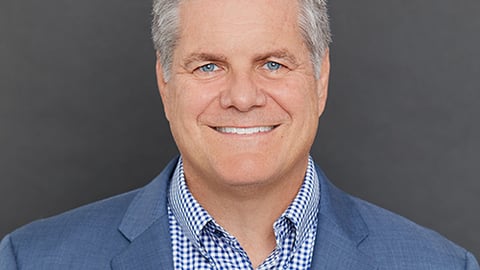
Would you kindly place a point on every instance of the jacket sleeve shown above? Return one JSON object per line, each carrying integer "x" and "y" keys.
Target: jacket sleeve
{"x": 7, "y": 255}
{"x": 470, "y": 262}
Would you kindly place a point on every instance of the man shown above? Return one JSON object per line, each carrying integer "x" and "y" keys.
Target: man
{"x": 243, "y": 85}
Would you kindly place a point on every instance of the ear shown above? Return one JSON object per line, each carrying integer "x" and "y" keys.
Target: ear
{"x": 322, "y": 82}
{"x": 162, "y": 86}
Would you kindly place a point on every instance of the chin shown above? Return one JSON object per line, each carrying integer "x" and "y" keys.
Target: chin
{"x": 245, "y": 170}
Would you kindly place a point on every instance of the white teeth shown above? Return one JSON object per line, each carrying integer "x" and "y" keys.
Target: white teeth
{"x": 243, "y": 131}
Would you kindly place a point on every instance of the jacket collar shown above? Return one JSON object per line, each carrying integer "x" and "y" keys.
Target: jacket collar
{"x": 340, "y": 229}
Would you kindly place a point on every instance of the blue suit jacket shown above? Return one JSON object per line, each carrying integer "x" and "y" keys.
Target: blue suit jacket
{"x": 131, "y": 231}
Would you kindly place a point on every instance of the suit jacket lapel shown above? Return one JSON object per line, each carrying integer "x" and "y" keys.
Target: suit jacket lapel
{"x": 146, "y": 226}
{"x": 340, "y": 231}
{"x": 149, "y": 251}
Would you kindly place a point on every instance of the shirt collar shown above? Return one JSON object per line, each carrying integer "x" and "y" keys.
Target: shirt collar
{"x": 302, "y": 212}
{"x": 193, "y": 218}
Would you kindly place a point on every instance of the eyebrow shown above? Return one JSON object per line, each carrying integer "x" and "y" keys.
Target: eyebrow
{"x": 281, "y": 54}
{"x": 198, "y": 57}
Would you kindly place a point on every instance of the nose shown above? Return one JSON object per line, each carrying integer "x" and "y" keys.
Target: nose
{"x": 242, "y": 93}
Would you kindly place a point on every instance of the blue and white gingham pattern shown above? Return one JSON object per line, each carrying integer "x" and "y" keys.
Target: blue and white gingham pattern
{"x": 198, "y": 242}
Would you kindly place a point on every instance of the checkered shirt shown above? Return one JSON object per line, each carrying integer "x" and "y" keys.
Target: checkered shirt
{"x": 198, "y": 242}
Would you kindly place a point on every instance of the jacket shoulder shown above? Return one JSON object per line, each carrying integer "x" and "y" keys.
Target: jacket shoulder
{"x": 402, "y": 244}
{"x": 89, "y": 237}
{"x": 86, "y": 236}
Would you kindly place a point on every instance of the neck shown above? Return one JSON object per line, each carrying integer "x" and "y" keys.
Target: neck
{"x": 249, "y": 212}
{"x": 236, "y": 207}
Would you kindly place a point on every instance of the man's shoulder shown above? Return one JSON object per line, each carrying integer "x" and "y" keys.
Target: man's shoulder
{"x": 90, "y": 217}
{"x": 88, "y": 237}
{"x": 397, "y": 241}
{"x": 90, "y": 230}
{"x": 381, "y": 237}
{"x": 104, "y": 215}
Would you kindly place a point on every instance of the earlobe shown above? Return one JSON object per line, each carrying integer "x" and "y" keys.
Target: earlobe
{"x": 159, "y": 72}
{"x": 322, "y": 82}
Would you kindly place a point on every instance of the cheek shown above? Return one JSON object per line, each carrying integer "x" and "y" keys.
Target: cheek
{"x": 192, "y": 99}
{"x": 297, "y": 97}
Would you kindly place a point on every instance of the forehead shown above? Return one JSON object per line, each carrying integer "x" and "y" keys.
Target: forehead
{"x": 231, "y": 24}
{"x": 256, "y": 8}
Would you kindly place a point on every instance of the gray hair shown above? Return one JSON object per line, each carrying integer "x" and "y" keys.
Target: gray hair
{"x": 313, "y": 23}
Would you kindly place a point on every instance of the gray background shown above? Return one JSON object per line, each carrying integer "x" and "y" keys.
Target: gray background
{"x": 81, "y": 119}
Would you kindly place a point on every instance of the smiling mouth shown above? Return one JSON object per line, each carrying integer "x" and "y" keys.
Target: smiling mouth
{"x": 244, "y": 131}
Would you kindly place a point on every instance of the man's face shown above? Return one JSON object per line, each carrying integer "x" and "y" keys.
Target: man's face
{"x": 242, "y": 101}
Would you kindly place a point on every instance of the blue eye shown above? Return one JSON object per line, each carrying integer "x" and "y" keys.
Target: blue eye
{"x": 273, "y": 66}
{"x": 208, "y": 68}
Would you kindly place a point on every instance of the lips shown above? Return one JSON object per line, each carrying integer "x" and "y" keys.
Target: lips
{"x": 244, "y": 131}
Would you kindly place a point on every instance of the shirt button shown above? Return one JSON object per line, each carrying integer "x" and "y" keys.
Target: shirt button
{"x": 218, "y": 233}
